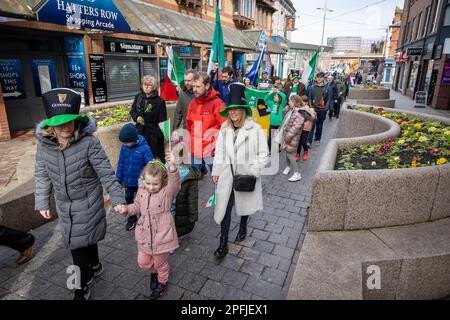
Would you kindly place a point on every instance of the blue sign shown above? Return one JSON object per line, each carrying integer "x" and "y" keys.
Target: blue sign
{"x": 238, "y": 65}
{"x": 11, "y": 78}
{"x": 84, "y": 14}
{"x": 76, "y": 64}
{"x": 43, "y": 75}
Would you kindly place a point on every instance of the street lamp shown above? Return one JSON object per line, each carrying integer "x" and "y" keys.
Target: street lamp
{"x": 325, "y": 9}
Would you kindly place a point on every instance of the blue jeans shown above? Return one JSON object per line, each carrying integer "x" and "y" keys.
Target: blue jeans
{"x": 200, "y": 163}
{"x": 317, "y": 127}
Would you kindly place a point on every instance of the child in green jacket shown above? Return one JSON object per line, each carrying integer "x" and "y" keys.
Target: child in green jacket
{"x": 276, "y": 101}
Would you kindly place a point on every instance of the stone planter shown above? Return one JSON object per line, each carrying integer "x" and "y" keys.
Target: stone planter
{"x": 396, "y": 221}
{"x": 385, "y": 103}
{"x": 359, "y": 93}
{"x": 364, "y": 199}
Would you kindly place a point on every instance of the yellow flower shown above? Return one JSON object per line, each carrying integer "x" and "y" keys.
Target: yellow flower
{"x": 432, "y": 129}
{"x": 401, "y": 141}
{"x": 414, "y": 164}
{"x": 373, "y": 163}
{"x": 441, "y": 161}
{"x": 423, "y": 139}
{"x": 417, "y": 126}
{"x": 397, "y": 158}
{"x": 406, "y": 133}
{"x": 447, "y": 133}
{"x": 403, "y": 123}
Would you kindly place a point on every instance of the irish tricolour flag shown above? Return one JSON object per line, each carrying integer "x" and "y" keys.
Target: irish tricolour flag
{"x": 174, "y": 76}
{"x": 165, "y": 128}
{"x": 211, "y": 202}
{"x": 310, "y": 70}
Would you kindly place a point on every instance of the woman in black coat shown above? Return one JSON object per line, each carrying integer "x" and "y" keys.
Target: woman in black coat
{"x": 148, "y": 110}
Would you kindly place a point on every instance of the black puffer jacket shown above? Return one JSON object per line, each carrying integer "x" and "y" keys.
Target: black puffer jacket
{"x": 153, "y": 110}
{"x": 76, "y": 176}
{"x": 187, "y": 203}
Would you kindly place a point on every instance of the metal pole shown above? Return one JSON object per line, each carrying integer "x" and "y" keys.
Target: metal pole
{"x": 324, "y": 9}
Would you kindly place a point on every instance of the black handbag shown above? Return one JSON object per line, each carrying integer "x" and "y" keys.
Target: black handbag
{"x": 243, "y": 183}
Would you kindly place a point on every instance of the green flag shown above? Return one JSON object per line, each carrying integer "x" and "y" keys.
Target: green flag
{"x": 218, "y": 47}
{"x": 211, "y": 202}
{"x": 165, "y": 128}
{"x": 310, "y": 70}
{"x": 175, "y": 68}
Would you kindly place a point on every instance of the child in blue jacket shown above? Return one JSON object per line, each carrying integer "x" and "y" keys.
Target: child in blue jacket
{"x": 134, "y": 156}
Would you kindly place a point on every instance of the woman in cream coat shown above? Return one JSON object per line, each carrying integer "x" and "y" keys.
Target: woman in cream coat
{"x": 242, "y": 143}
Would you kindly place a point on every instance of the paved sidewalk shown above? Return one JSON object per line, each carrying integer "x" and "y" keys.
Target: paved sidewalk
{"x": 406, "y": 103}
{"x": 261, "y": 267}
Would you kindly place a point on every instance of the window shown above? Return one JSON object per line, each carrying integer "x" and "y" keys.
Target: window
{"x": 436, "y": 15}
{"x": 419, "y": 21}
{"x": 414, "y": 29}
{"x": 426, "y": 21}
{"x": 447, "y": 16}
{"x": 211, "y": 3}
{"x": 244, "y": 8}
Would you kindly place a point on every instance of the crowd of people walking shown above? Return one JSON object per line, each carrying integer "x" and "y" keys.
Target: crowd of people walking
{"x": 156, "y": 188}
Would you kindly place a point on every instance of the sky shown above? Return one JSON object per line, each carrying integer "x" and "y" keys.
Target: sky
{"x": 365, "y": 18}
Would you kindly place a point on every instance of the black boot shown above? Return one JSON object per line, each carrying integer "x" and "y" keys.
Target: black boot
{"x": 159, "y": 291}
{"x": 153, "y": 281}
{"x": 242, "y": 233}
{"x": 222, "y": 250}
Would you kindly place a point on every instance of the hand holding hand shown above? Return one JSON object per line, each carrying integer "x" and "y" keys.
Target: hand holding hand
{"x": 46, "y": 214}
{"x": 140, "y": 120}
{"x": 215, "y": 179}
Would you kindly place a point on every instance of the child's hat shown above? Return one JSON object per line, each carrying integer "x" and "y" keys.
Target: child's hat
{"x": 62, "y": 105}
{"x": 128, "y": 133}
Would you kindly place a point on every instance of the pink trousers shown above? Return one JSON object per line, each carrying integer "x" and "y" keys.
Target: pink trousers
{"x": 158, "y": 263}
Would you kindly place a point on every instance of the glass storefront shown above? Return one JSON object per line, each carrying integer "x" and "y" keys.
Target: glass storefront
{"x": 126, "y": 62}
{"x": 413, "y": 75}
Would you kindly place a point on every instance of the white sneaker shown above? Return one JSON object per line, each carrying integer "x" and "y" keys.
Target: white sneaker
{"x": 295, "y": 177}
{"x": 287, "y": 170}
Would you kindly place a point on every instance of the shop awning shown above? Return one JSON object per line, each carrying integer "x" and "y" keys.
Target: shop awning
{"x": 272, "y": 46}
{"x": 18, "y": 8}
{"x": 156, "y": 21}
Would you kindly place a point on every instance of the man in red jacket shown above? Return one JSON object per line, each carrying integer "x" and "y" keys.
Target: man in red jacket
{"x": 203, "y": 121}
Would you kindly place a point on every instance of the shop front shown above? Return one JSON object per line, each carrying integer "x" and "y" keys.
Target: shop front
{"x": 414, "y": 54}
{"x": 32, "y": 63}
{"x": 126, "y": 62}
{"x": 189, "y": 56}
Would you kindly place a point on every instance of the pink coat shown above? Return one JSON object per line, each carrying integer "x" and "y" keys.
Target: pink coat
{"x": 294, "y": 128}
{"x": 155, "y": 231}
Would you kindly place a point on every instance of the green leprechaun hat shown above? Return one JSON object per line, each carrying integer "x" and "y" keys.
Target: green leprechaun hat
{"x": 62, "y": 105}
{"x": 237, "y": 99}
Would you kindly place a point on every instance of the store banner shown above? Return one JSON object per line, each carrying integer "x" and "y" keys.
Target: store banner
{"x": 84, "y": 14}
{"x": 446, "y": 74}
{"x": 76, "y": 64}
{"x": 11, "y": 78}
{"x": 43, "y": 75}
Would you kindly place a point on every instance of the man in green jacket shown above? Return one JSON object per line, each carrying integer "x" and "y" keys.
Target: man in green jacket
{"x": 341, "y": 86}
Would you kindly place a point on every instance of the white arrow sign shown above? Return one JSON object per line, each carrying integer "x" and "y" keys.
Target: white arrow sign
{"x": 12, "y": 94}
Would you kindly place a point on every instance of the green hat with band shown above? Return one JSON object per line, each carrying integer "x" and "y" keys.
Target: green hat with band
{"x": 237, "y": 100}
{"x": 62, "y": 105}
